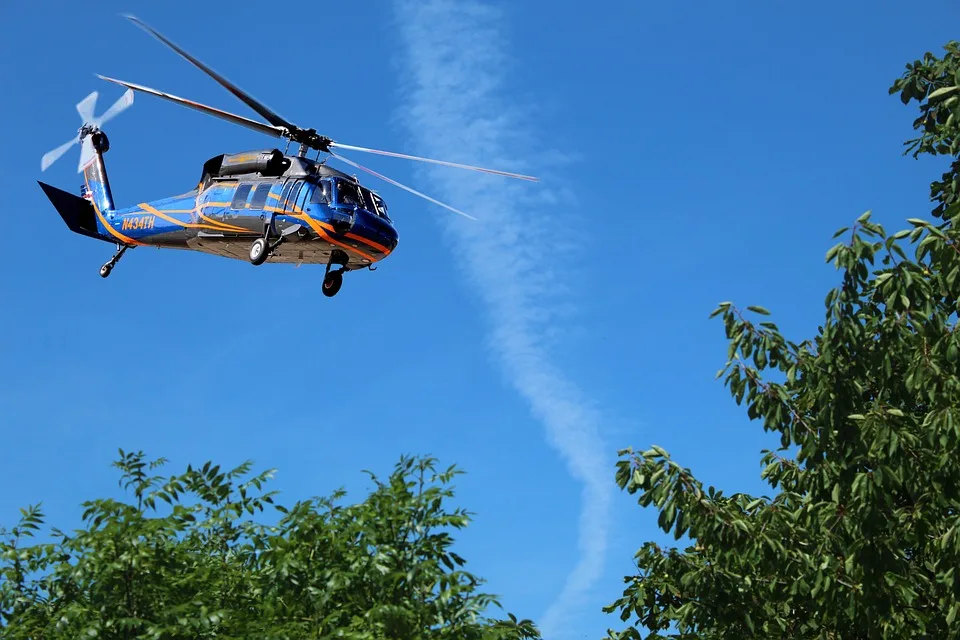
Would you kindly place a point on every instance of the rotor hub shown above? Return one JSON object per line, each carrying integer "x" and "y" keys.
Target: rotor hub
{"x": 310, "y": 138}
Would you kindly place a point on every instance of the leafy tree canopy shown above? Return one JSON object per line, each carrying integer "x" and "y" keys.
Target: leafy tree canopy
{"x": 862, "y": 539}
{"x": 185, "y": 557}
{"x": 935, "y": 84}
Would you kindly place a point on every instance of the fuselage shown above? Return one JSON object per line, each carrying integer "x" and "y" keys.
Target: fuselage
{"x": 324, "y": 215}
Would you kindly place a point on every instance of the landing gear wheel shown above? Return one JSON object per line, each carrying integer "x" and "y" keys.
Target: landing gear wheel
{"x": 332, "y": 283}
{"x": 112, "y": 262}
{"x": 258, "y": 251}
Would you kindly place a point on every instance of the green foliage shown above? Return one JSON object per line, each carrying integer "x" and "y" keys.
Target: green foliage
{"x": 862, "y": 536}
{"x": 186, "y": 558}
{"x": 935, "y": 84}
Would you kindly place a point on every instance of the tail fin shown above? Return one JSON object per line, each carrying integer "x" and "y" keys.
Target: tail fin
{"x": 96, "y": 184}
{"x": 77, "y": 212}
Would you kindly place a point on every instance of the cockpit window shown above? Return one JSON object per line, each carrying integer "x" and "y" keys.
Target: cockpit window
{"x": 347, "y": 193}
{"x": 380, "y": 205}
{"x": 321, "y": 193}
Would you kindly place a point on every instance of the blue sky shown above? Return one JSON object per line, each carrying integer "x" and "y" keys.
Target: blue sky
{"x": 689, "y": 155}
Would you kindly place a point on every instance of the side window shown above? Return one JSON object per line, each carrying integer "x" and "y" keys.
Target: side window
{"x": 260, "y": 195}
{"x": 291, "y": 194}
{"x": 321, "y": 193}
{"x": 240, "y": 197}
{"x": 284, "y": 194}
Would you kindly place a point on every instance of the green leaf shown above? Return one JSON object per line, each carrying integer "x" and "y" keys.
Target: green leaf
{"x": 952, "y": 613}
{"x": 759, "y": 310}
{"x": 834, "y": 250}
{"x": 941, "y": 92}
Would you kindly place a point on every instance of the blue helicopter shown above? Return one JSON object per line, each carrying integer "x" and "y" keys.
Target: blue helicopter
{"x": 261, "y": 206}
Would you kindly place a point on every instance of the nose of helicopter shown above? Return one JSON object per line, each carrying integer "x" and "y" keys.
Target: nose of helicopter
{"x": 369, "y": 225}
{"x": 381, "y": 229}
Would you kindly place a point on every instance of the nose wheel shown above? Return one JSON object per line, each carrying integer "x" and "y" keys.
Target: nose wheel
{"x": 332, "y": 283}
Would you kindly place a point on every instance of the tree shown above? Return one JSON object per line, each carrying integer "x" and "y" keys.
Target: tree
{"x": 185, "y": 558}
{"x": 862, "y": 539}
{"x": 935, "y": 84}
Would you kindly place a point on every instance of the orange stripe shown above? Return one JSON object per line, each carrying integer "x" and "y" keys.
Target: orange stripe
{"x": 369, "y": 243}
{"x": 304, "y": 216}
{"x": 116, "y": 234}
{"x": 217, "y": 225}
{"x": 146, "y": 207}
{"x": 353, "y": 236}
{"x": 222, "y": 224}
{"x": 318, "y": 226}
{"x": 320, "y": 232}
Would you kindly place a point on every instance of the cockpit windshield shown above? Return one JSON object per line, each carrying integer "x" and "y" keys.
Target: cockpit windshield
{"x": 380, "y": 205}
{"x": 349, "y": 193}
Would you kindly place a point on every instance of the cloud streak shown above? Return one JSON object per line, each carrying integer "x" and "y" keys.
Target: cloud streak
{"x": 457, "y": 106}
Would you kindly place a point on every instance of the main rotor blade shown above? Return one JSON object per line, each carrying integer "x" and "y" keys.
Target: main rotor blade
{"x": 443, "y": 162}
{"x": 230, "y": 117}
{"x": 269, "y": 115}
{"x": 397, "y": 184}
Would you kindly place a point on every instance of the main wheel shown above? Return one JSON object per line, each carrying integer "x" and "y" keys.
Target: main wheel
{"x": 258, "y": 251}
{"x": 332, "y": 283}
{"x": 105, "y": 270}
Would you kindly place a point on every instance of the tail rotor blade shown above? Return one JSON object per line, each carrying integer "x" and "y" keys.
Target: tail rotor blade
{"x": 441, "y": 162}
{"x": 397, "y": 184}
{"x": 87, "y": 110}
{"x": 122, "y": 103}
{"x": 52, "y": 156}
{"x": 86, "y": 106}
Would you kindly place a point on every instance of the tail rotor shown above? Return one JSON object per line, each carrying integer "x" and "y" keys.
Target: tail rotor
{"x": 91, "y": 124}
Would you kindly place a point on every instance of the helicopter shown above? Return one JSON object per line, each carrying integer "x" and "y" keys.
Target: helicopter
{"x": 262, "y": 205}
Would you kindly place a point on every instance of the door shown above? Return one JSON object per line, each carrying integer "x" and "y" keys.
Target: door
{"x": 293, "y": 198}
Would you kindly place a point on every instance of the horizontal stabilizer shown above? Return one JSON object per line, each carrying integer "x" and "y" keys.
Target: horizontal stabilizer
{"x": 77, "y": 212}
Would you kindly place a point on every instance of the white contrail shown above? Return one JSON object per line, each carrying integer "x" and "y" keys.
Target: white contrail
{"x": 457, "y": 108}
